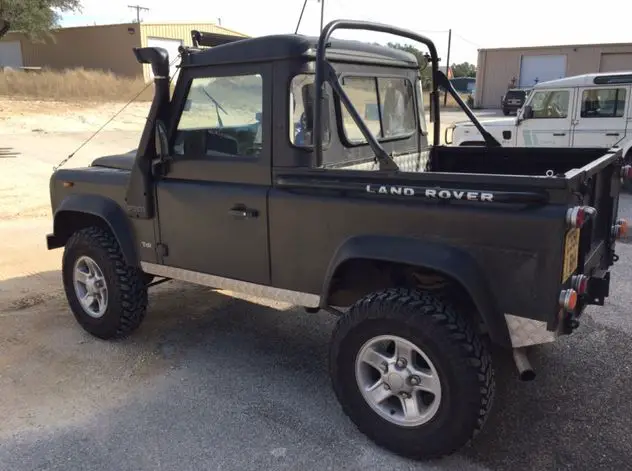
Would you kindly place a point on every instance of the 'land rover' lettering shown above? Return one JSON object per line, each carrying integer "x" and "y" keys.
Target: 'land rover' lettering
{"x": 432, "y": 194}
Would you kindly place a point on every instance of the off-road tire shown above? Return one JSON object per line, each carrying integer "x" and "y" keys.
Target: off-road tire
{"x": 462, "y": 360}
{"x": 127, "y": 291}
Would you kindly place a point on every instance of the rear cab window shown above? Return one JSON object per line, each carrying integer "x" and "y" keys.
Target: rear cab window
{"x": 387, "y": 105}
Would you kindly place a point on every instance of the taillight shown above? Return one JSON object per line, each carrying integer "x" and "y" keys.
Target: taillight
{"x": 626, "y": 172}
{"x": 620, "y": 229}
{"x": 580, "y": 284}
{"x": 578, "y": 215}
{"x": 568, "y": 299}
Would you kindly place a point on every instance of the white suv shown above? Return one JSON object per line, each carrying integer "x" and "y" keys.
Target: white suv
{"x": 592, "y": 110}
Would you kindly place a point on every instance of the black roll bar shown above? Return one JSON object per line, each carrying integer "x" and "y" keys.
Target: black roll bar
{"x": 325, "y": 72}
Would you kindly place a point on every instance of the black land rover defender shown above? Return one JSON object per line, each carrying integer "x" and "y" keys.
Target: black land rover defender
{"x": 299, "y": 169}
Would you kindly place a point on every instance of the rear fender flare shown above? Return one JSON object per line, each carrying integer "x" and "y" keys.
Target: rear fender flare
{"x": 107, "y": 210}
{"x": 450, "y": 261}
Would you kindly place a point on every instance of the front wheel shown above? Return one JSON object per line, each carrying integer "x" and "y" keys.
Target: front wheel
{"x": 107, "y": 296}
{"x": 411, "y": 373}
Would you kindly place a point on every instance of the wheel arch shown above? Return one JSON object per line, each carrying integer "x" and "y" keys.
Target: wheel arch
{"x": 450, "y": 263}
{"x": 76, "y": 212}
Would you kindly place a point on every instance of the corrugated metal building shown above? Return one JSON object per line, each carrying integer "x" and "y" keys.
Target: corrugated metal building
{"x": 107, "y": 47}
{"x": 499, "y": 69}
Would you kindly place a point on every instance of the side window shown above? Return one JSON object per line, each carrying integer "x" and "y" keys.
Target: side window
{"x": 387, "y": 106}
{"x": 550, "y": 104}
{"x": 603, "y": 103}
{"x": 301, "y": 113}
{"x": 222, "y": 117}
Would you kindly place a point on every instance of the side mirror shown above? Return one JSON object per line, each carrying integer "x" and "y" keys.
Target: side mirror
{"x": 431, "y": 98}
{"x": 527, "y": 112}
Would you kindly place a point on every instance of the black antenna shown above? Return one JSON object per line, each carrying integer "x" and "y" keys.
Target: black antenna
{"x": 300, "y": 17}
{"x": 138, "y": 8}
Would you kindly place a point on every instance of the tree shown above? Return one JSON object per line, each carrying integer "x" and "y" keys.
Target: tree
{"x": 464, "y": 69}
{"x": 35, "y": 17}
{"x": 424, "y": 66}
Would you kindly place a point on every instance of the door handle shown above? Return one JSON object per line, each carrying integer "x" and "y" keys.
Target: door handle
{"x": 559, "y": 134}
{"x": 242, "y": 212}
{"x": 612, "y": 134}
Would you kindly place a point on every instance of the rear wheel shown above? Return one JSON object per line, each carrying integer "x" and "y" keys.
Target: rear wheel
{"x": 411, "y": 373}
{"x": 107, "y": 296}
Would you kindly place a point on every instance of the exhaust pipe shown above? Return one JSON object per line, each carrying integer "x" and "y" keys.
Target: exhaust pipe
{"x": 525, "y": 371}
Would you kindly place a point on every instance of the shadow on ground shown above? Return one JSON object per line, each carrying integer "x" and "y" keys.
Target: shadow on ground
{"x": 227, "y": 383}
{"x": 8, "y": 152}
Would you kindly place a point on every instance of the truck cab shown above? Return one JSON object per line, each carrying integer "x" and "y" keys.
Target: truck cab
{"x": 592, "y": 110}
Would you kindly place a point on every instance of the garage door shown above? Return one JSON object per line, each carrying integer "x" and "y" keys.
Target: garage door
{"x": 615, "y": 62}
{"x": 171, "y": 45}
{"x": 10, "y": 54}
{"x": 536, "y": 69}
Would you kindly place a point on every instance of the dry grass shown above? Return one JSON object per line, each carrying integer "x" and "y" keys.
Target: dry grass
{"x": 91, "y": 85}
{"x": 72, "y": 85}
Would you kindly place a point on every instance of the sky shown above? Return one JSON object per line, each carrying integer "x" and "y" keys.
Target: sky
{"x": 474, "y": 24}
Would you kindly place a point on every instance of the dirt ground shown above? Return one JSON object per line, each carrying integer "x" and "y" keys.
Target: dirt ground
{"x": 212, "y": 381}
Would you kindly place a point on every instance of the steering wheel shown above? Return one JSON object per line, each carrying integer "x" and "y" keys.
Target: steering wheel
{"x": 554, "y": 111}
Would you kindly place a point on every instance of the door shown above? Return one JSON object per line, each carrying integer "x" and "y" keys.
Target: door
{"x": 600, "y": 118}
{"x": 550, "y": 125}
{"x": 212, "y": 202}
{"x": 171, "y": 45}
{"x": 10, "y": 54}
{"x": 615, "y": 62}
{"x": 541, "y": 68}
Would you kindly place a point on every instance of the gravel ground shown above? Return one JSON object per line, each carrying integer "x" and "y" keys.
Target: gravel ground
{"x": 212, "y": 381}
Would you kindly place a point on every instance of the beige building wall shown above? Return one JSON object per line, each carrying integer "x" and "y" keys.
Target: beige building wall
{"x": 107, "y": 48}
{"x": 178, "y": 31}
{"x": 496, "y": 67}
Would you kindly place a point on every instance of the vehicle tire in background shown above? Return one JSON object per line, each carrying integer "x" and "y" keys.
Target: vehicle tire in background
{"x": 411, "y": 373}
{"x": 505, "y": 112}
{"x": 627, "y": 184}
{"x": 107, "y": 296}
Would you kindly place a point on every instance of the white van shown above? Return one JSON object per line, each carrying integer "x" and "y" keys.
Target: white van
{"x": 591, "y": 110}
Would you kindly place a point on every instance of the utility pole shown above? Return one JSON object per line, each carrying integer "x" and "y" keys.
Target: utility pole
{"x": 322, "y": 13}
{"x": 138, "y": 8}
{"x": 447, "y": 68}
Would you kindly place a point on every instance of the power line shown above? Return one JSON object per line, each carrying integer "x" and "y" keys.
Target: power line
{"x": 468, "y": 41}
{"x": 138, "y": 8}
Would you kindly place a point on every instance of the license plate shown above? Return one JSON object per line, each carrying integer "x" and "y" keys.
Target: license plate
{"x": 571, "y": 253}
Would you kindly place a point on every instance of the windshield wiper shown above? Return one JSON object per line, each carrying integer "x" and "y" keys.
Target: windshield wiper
{"x": 217, "y": 108}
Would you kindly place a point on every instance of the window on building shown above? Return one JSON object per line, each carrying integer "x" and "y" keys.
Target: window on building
{"x": 603, "y": 103}
{"x": 550, "y": 104}
{"x": 387, "y": 106}
{"x": 222, "y": 117}
{"x": 302, "y": 93}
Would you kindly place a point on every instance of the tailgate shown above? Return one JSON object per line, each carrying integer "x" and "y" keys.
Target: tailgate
{"x": 596, "y": 185}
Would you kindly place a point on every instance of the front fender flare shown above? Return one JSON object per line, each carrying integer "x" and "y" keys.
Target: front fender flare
{"x": 104, "y": 208}
{"x": 453, "y": 262}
